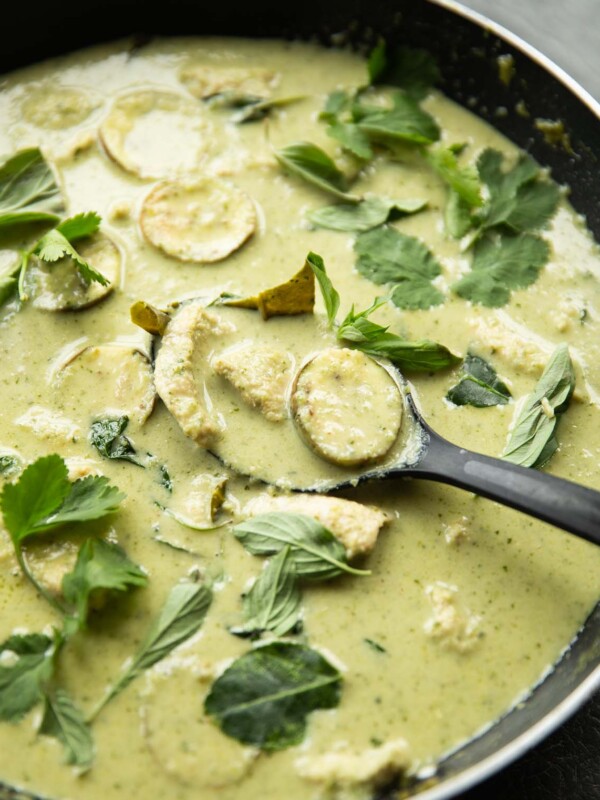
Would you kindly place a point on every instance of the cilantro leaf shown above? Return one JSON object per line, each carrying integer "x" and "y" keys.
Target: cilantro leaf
{"x": 28, "y": 190}
{"x": 314, "y": 550}
{"x": 369, "y": 213}
{"x": 405, "y": 121}
{"x": 532, "y": 441}
{"x": 43, "y": 499}
{"x": 457, "y": 215}
{"x": 181, "y": 617}
{"x": 352, "y": 138}
{"x": 309, "y": 162}
{"x": 100, "y": 566}
{"x": 9, "y": 283}
{"x": 412, "y": 69}
{"x": 335, "y": 103}
{"x": 107, "y": 436}
{"x": 57, "y": 243}
{"x": 479, "y": 386}
{"x": 264, "y": 697}
{"x": 517, "y": 198}
{"x": 274, "y": 601}
{"x": 330, "y": 295}
{"x": 500, "y": 266}
{"x": 22, "y": 682}
{"x": 387, "y": 256}
{"x": 64, "y": 721}
{"x": 464, "y": 181}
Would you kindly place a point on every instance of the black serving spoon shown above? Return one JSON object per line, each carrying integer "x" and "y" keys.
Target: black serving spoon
{"x": 420, "y": 452}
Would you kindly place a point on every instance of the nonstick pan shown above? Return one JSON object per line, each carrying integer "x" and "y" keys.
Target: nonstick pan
{"x": 467, "y": 49}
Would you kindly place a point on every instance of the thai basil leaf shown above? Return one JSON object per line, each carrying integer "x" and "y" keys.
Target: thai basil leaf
{"x": 314, "y": 550}
{"x": 480, "y": 386}
{"x": 314, "y": 165}
{"x": 265, "y": 696}
{"x": 330, "y": 295}
{"x": 404, "y": 122}
{"x": 369, "y": 213}
{"x": 352, "y": 138}
{"x": 107, "y": 436}
{"x": 274, "y": 601}
{"x": 28, "y": 190}
{"x": 180, "y": 618}
{"x": 532, "y": 440}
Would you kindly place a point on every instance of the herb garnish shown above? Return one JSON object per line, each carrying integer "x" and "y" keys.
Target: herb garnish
{"x": 314, "y": 165}
{"x": 501, "y": 265}
{"x": 369, "y": 213}
{"x": 479, "y": 386}
{"x": 264, "y": 697}
{"x": 386, "y": 256}
{"x": 274, "y": 601}
{"x": 56, "y": 244}
{"x": 181, "y": 617}
{"x": 22, "y": 682}
{"x": 100, "y": 566}
{"x": 107, "y": 436}
{"x": 532, "y": 441}
{"x": 413, "y": 70}
{"x": 65, "y": 722}
{"x": 376, "y": 340}
{"x": 404, "y": 122}
{"x": 313, "y": 549}
{"x": 28, "y": 190}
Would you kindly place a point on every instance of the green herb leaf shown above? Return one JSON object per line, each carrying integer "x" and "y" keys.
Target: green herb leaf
{"x": 330, "y": 295}
{"x": 352, "y": 138}
{"x": 107, "y": 436}
{"x": 501, "y": 265}
{"x": 517, "y": 198}
{"x": 100, "y": 566}
{"x": 57, "y": 243}
{"x": 532, "y": 440}
{"x": 8, "y": 466}
{"x": 181, "y": 617}
{"x": 9, "y": 283}
{"x": 405, "y": 121}
{"x": 64, "y": 721}
{"x": 274, "y": 601}
{"x": 363, "y": 216}
{"x": 457, "y": 216}
{"x": 261, "y": 107}
{"x": 314, "y": 165}
{"x": 314, "y": 550}
{"x": 411, "y": 69}
{"x": 387, "y": 256}
{"x": 43, "y": 499}
{"x": 464, "y": 181}
{"x": 264, "y": 697}
{"x": 28, "y": 191}
{"x": 22, "y": 682}
{"x": 480, "y": 385}
{"x": 336, "y": 102}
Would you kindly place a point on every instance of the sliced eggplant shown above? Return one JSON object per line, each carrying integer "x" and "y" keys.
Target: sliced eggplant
{"x": 57, "y": 107}
{"x": 205, "y": 81}
{"x": 138, "y": 124}
{"x": 347, "y": 406}
{"x": 204, "y": 221}
{"x": 122, "y": 379}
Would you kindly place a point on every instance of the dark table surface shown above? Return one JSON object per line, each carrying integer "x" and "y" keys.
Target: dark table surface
{"x": 566, "y": 766}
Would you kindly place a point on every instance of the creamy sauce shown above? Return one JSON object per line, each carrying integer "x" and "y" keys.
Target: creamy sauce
{"x": 469, "y": 622}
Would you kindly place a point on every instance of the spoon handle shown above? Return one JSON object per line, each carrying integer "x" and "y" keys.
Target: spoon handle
{"x": 567, "y": 505}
